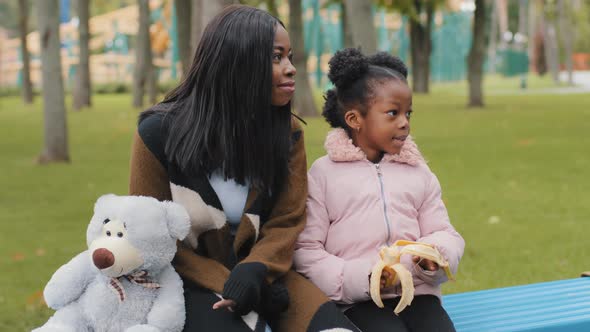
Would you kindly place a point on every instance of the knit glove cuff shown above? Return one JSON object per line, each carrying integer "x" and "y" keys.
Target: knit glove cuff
{"x": 275, "y": 298}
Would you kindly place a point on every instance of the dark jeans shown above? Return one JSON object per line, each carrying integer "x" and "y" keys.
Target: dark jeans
{"x": 200, "y": 315}
{"x": 426, "y": 314}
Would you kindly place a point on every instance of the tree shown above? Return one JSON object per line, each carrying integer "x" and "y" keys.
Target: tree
{"x": 27, "y": 88}
{"x": 82, "y": 88}
{"x": 202, "y": 13}
{"x": 522, "y": 17}
{"x": 581, "y": 18}
{"x": 210, "y": 8}
{"x": 348, "y": 42}
{"x": 421, "y": 44}
{"x": 183, "y": 28}
{"x": 476, "y": 56}
{"x": 420, "y": 14}
{"x": 359, "y": 21}
{"x": 56, "y": 139}
{"x": 303, "y": 101}
{"x": 271, "y": 6}
{"x": 196, "y": 23}
{"x": 502, "y": 13}
{"x": 144, "y": 70}
{"x": 492, "y": 46}
{"x": 567, "y": 36}
{"x": 547, "y": 21}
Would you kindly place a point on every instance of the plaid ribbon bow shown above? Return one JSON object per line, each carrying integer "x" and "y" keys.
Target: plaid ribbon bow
{"x": 140, "y": 278}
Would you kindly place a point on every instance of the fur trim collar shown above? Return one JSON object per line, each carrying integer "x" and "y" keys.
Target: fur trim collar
{"x": 340, "y": 148}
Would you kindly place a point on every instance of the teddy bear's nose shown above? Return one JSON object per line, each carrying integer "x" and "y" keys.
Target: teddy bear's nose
{"x": 103, "y": 258}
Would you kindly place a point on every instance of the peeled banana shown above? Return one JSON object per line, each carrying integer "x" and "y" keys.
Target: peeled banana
{"x": 391, "y": 262}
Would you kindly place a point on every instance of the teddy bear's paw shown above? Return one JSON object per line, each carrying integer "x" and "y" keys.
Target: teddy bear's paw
{"x": 142, "y": 328}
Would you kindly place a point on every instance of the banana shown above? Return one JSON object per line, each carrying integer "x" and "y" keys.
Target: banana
{"x": 391, "y": 262}
{"x": 407, "y": 283}
{"x": 375, "y": 283}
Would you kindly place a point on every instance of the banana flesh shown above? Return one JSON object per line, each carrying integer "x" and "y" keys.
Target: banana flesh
{"x": 391, "y": 262}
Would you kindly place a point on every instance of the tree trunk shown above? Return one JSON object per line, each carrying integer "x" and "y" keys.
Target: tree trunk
{"x": 183, "y": 28}
{"x": 522, "y": 24}
{"x": 271, "y": 5}
{"x": 196, "y": 22}
{"x": 202, "y": 12}
{"x": 196, "y": 12}
{"x": 532, "y": 31}
{"x": 421, "y": 47}
{"x": 476, "y": 56}
{"x": 303, "y": 103}
{"x": 56, "y": 138}
{"x": 144, "y": 76}
{"x": 82, "y": 89}
{"x": 567, "y": 37}
{"x": 502, "y": 12}
{"x": 348, "y": 42}
{"x": 551, "y": 48}
{"x": 27, "y": 88}
{"x": 522, "y": 17}
{"x": 210, "y": 8}
{"x": 492, "y": 47}
{"x": 359, "y": 19}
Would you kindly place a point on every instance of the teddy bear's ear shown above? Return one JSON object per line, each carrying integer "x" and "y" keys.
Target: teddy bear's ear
{"x": 104, "y": 199}
{"x": 177, "y": 219}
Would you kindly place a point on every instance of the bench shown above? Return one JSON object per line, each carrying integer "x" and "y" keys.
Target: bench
{"x": 553, "y": 306}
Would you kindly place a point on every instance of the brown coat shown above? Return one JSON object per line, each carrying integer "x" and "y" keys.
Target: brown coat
{"x": 266, "y": 234}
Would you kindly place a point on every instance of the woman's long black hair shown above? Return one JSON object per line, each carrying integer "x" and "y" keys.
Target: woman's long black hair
{"x": 220, "y": 117}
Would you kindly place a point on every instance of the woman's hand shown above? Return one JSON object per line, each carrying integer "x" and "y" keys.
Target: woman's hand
{"x": 425, "y": 264}
{"x": 225, "y": 303}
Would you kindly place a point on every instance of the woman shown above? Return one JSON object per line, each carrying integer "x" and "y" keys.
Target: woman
{"x": 225, "y": 145}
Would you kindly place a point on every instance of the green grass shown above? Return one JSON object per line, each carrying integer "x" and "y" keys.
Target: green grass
{"x": 499, "y": 85}
{"x": 515, "y": 178}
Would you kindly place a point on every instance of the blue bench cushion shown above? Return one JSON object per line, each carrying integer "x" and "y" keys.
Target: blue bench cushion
{"x": 562, "y": 305}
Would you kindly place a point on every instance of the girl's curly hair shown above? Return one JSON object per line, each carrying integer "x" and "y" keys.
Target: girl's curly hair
{"x": 353, "y": 75}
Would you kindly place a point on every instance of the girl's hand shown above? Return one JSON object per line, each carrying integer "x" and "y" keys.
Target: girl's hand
{"x": 385, "y": 276}
{"x": 425, "y": 264}
{"x": 226, "y": 303}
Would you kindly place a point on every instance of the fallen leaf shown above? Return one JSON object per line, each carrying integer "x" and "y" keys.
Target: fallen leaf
{"x": 36, "y": 299}
{"x": 525, "y": 142}
{"x": 493, "y": 220}
{"x": 17, "y": 257}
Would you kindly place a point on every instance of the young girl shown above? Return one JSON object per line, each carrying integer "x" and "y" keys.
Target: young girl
{"x": 225, "y": 145}
{"x": 372, "y": 189}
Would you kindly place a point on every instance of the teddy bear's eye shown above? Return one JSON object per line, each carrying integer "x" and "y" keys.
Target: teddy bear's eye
{"x": 106, "y": 221}
{"x": 108, "y": 233}
{"x": 120, "y": 234}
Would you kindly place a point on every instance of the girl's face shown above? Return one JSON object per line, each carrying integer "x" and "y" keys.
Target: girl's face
{"x": 386, "y": 125}
{"x": 283, "y": 71}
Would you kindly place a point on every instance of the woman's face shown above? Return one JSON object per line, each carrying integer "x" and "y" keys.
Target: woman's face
{"x": 283, "y": 71}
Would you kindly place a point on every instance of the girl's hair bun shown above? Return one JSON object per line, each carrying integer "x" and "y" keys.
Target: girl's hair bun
{"x": 346, "y": 66}
{"x": 384, "y": 59}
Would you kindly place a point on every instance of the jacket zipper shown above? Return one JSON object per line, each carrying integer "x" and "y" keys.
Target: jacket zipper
{"x": 380, "y": 176}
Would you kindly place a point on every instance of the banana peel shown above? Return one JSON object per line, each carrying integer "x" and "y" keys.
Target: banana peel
{"x": 391, "y": 262}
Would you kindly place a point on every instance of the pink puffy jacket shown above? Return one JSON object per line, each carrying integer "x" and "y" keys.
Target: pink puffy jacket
{"x": 355, "y": 207}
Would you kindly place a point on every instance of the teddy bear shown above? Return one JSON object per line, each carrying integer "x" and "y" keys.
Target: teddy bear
{"x": 125, "y": 280}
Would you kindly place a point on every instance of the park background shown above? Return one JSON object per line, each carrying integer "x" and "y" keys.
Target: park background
{"x": 501, "y": 114}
